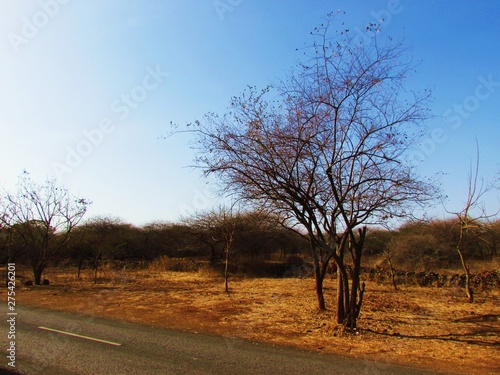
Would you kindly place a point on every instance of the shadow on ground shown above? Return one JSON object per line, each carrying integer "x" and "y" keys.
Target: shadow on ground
{"x": 484, "y": 327}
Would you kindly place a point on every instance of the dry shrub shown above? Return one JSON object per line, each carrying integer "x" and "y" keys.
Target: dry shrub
{"x": 207, "y": 270}
{"x": 165, "y": 263}
{"x": 160, "y": 264}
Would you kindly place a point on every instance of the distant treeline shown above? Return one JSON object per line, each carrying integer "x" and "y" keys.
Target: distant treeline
{"x": 427, "y": 246}
{"x": 255, "y": 238}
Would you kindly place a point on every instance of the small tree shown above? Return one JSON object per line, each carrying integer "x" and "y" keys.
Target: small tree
{"x": 221, "y": 224}
{"x": 227, "y": 227}
{"x": 204, "y": 230}
{"x": 469, "y": 224}
{"x": 99, "y": 236}
{"x": 43, "y": 217}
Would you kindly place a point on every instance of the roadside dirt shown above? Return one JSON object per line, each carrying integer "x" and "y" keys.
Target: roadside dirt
{"x": 432, "y": 328}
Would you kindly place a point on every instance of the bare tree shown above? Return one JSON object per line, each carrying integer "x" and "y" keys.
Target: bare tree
{"x": 100, "y": 236}
{"x": 472, "y": 224}
{"x": 326, "y": 149}
{"x": 43, "y": 217}
{"x": 221, "y": 223}
{"x": 204, "y": 230}
{"x": 227, "y": 227}
{"x": 392, "y": 271}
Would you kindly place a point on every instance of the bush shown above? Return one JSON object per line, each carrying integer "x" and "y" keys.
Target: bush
{"x": 415, "y": 252}
{"x": 165, "y": 263}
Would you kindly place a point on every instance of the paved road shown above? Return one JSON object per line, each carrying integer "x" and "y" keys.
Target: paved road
{"x": 139, "y": 349}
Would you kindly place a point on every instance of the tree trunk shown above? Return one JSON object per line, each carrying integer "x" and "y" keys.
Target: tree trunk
{"x": 227, "y": 260}
{"x": 226, "y": 272}
{"x": 468, "y": 287}
{"x": 360, "y": 300}
{"x": 37, "y": 274}
{"x": 342, "y": 282}
{"x": 342, "y": 293}
{"x": 320, "y": 268}
{"x": 349, "y": 299}
{"x": 212, "y": 255}
{"x": 319, "y": 285}
{"x": 96, "y": 269}
{"x": 80, "y": 266}
{"x": 340, "y": 298}
{"x": 353, "y": 303}
{"x": 356, "y": 299}
{"x": 357, "y": 290}
{"x": 393, "y": 274}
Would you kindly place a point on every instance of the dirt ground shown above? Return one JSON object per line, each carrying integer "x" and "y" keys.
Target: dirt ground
{"x": 432, "y": 328}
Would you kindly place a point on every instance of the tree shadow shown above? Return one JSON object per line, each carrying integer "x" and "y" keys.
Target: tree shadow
{"x": 486, "y": 326}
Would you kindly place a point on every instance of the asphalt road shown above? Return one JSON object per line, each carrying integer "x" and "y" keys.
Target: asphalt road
{"x": 138, "y": 349}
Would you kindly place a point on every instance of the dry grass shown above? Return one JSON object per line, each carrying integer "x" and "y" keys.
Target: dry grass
{"x": 433, "y": 328}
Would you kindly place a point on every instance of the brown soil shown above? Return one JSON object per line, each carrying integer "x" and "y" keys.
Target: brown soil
{"x": 432, "y": 328}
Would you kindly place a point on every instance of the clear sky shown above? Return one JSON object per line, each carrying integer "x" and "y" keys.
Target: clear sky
{"x": 88, "y": 87}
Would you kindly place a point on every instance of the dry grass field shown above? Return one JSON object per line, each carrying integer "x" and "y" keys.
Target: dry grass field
{"x": 433, "y": 328}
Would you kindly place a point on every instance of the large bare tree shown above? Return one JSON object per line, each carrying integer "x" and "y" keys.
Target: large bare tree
{"x": 42, "y": 217}
{"x": 326, "y": 149}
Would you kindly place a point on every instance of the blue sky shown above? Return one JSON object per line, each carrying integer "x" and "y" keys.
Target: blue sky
{"x": 88, "y": 87}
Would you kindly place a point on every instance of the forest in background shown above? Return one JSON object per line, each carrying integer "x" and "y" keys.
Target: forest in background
{"x": 259, "y": 246}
